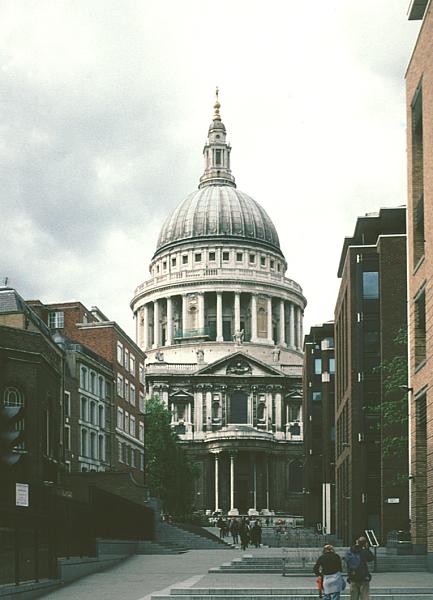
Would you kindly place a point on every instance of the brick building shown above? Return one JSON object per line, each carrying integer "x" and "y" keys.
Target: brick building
{"x": 319, "y": 427}
{"x": 31, "y": 376}
{"x": 370, "y": 312}
{"x": 419, "y": 94}
{"x": 115, "y": 354}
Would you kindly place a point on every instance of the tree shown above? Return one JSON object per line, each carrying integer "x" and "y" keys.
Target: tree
{"x": 169, "y": 472}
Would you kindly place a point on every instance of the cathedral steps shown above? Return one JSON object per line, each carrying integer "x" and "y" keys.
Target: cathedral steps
{"x": 384, "y": 593}
{"x": 177, "y": 538}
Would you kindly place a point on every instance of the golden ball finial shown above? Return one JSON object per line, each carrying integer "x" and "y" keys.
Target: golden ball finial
{"x": 217, "y": 105}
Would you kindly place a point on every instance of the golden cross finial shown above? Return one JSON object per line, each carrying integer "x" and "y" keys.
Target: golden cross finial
{"x": 217, "y": 106}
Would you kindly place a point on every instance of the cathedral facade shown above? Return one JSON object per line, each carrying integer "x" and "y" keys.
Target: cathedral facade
{"x": 221, "y": 326}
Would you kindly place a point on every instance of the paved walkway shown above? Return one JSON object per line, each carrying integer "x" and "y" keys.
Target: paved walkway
{"x": 139, "y": 576}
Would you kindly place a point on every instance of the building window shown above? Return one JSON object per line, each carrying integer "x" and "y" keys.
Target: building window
{"x": 119, "y": 353}
{"x": 141, "y": 461}
{"x": 132, "y": 425}
{"x": 120, "y": 385}
{"x": 332, "y": 365}
{"x": 164, "y": 265}
{"x": 185, "y": 259}
{"x": 132, "y": 457}
{"x": 417, "y": 178}
{"x": 141, "y": 431}
{"x": 317, "y": 366}
{"x": 92, "y": 382}
{"x": 126, "y": 449}
{"x": 92, "y": 413}
{"x": 239, "y": 256}
{"x": 126, "y": 428}
{"x": 263, "y": 261}
{"x": 83, "y": 442}
{"x": 226, "y": 256}
{"x": 120, "y": 419}
{"x": 56, "y": 319}
{"x": 217, "y": 157}
{"x": 132, "y": 364}
{"x": 157, "y": 268}
{"x": 67, "y": 437}
{"x": 126, "y": 390}
{"x": 420, "y": 329}
{"x": 66, "y": 404}
{"x": 132, "y": 394}
{"x": 101, "y": 387}
{"x": 294, "y": 412}
{"x": 173, "y": 261}
{"x": 272, "y": 264}
{"x": 278, "y": 267}
{"x": 252, "y": 258}
{"x": 101, "y": 416}
{"x": 212, "y": 256}
{"x": 141, "y": 372}
{"x": 83, "y": 378}
{"x": 120, "y": 452}
{"x": 197, "y": 257}
{"x": 126, "y": 363}
{"x": 370, "y": 285}
{"x": 101, "y": 447}
{"x": 92, "y": 444}
{"x": 84, "y": 408}
{"x": 316, "y": 396}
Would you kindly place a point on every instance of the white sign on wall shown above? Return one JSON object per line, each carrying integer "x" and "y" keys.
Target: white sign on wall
{"x": 21, "y": 494}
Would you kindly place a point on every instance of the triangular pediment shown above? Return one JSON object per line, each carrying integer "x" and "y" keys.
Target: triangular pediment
{"x": 239, "y": 364}
{"x": 294, "y": 395}
{"x": 179, "y": 394}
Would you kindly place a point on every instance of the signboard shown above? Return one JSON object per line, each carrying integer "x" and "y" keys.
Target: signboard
{"x": 393, "y": 500}
{"x": 21, "y": 494}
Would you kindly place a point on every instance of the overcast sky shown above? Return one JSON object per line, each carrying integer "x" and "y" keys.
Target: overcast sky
{"x": 104, "y": 110}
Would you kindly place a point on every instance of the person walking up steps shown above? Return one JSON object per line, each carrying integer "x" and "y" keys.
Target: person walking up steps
{"x": 358, "y": 574}
{"x": 329, "y": 566}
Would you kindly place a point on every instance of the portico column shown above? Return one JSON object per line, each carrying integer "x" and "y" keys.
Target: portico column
{"x": 254, "y": 482}
{"x": 156, "y": 336}
{"x": 201, "y": 312}
{"x": 301, "y": 329}
{"x": 169, "y": 339}
{"x": 216, "y": 481}
{"x": 269, "y": 411}
{"x": 232, "y": 481}
{"x": 270, "y": 333}
{"x": 219, "y": 317}
{"x": 253, "y": 318}
{"x": 183, "y": 315}
{"x": 209, "y": 410}
{"x": 146, "y": 326}
{"x": 237, "y": 311}
{"x": 198, "y": 413}
{"x": 282, "y": 323}
{"x": 278, "y": 411}
{"x": 292, "y": 325}
{"x": 267, "y": 482}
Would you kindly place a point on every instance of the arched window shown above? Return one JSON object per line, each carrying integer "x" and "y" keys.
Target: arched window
{"x": 101, "y": 419}
{"x": 296, "y": 476}
{"x": 83, "y": 378}
{"x": 261, "y": 411}
{"x": 92, "y": 382}
{"x": 101, "y": 390}
{"x": 83, "y": 413}
{"x": 101, "y": 448}
{"x": 13, "y": 397}
{"x": 93, "y": 444}
{"x": 92, "y": 418}
{"x": 239, "y": 407}
{"x": 216, "y": 410}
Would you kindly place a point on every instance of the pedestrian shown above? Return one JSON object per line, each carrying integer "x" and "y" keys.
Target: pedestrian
{"x": 328, "y": 566}
{"x": 244, "y": 533}
{"x": 358, "y": 575}
{"x": 234, "y": 530}
{"x": 220, "y": 525}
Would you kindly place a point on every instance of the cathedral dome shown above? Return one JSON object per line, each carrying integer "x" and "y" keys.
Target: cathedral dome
{"x": 219, "y": 211}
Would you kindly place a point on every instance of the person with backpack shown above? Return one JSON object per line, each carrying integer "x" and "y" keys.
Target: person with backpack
{"x": 358, "y": 575}
{"x": 328, "y": 568}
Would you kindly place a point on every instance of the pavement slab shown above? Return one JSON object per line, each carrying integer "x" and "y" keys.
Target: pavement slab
{"x": 138, "y": 577}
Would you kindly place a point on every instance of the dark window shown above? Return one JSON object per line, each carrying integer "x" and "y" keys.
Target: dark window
{"x": 272, "y": 264}
{"x": 211, "y": 255}
{"x": 263, "y": 260}
{"x": 164, "y": 265}
{"x": 420, "y": 329}
{"x": 252, "y": 258}
{"x": 316, "y": 396}
{"x": 317, "y": 366}
{"x": 173, "y": 262}
{"x": 370, "y": 285}
{"x": 197, "y": 257}
{"x": 332, "y": 365}
{"x": 417, "y": 177}
{"x": 185, "y": 259}
{"x": 226, "y": 256}
{"x": 239, "y": 256}
{"x": 217, "y": 157}
{"x": 238, "y": 407}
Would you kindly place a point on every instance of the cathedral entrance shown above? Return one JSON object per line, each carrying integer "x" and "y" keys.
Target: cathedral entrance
{"x": 239, "y": 407}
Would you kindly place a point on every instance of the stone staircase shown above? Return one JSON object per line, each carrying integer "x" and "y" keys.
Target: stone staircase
{"x": 419, "y": 593}
{"x": 178, "y": 540}
{"x": 300, "y": 561}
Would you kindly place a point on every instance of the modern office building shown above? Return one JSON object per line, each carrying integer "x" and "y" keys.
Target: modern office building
{"x": 319, "y": 427}
{"x": 370, "y": 316}
{"x": 419, "y": 94}
{"x": 221, "y": 326}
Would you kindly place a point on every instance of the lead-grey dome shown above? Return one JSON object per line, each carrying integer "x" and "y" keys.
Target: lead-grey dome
{"x": 218, "y": 211}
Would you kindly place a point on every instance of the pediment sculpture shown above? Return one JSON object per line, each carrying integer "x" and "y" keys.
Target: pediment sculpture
{"x": 239, "y": 367}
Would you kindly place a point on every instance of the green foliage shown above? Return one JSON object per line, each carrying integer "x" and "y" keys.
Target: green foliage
{"x": 169, "y": 473}
{"x": 393, "y": 410}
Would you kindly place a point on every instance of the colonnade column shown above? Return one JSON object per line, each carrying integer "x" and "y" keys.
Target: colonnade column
{"x": 183, "y": 314}
{"x": 278, "y": 426}
{"x": 219, "y": 317}
{"x": 282, "y": 323}
{"x": 237, "y": 311}
{"x": 169, "y": 337}
{"x": 156, "y": 336}
{"x": 298, "y": 328}
{"x": 146, "y": 326}
{"x": 254, "y": 481}
{"x": 232, "y": 481}
{"x": 267, "y": 482}
{"x": 201, "y": 311}
{"x": 292, "y": 325}
{"x": 270, "y": 332}
{"x": 253, "y": 318}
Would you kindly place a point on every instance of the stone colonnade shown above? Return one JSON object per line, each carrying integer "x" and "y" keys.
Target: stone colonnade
{"x": 265, "y": 319}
